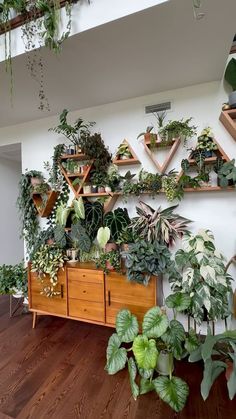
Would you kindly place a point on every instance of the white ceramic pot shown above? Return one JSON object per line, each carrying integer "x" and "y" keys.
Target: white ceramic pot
{"x": 232, "y": 99}
{"x": 87, "y": 189}
{"x": 73, "y": 255}
{"x": 17, "y": 293}
{"x": 107, "y": 189}
{"x": 165, "y": 363}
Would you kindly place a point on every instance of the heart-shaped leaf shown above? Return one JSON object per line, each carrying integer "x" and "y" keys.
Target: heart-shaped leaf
{"x": 173, "y": 391}
{"x": 146, "y": 386}
{"x": 145, "y": 352}
{"x": 191, "y": 342}
{"x": 103, "y": 235}
{"x": 116, "y": 356}
{"x": 174, "y": 337}
{"x": 178, "y": 301}
{"x": 155, "y": 323}
{"x": 126, "y": 326}
{"x": 132, "y": 375}
{"x": 78, "y": 205}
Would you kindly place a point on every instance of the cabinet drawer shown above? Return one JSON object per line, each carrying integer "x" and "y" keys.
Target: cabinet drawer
{"x": 90, "y": 291}
{"x": 56, "y": 305}
{"x": 85, "y": 275}
{"x": 88, "y": 310}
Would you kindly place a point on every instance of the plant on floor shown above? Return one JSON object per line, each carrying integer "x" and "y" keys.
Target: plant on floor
{"x": 144, "y": 259}
{"x": 200, "y": 274}
{"x": 179, "y": 129}
{"x": 27, "y": 210}
{"x": 116, "y": 221}
{"x": 163, "y": 226}
{"x": 13, "y": 277}
{"x": 227, "y": 173}
{"x": 109, "y": 261}
{"x": 47, "y": 261}
{"x": 218, "y": 354}
{"x": 159, "y": 337}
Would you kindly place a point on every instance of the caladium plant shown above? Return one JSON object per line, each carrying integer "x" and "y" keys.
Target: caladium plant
{"x": 200, "y": 283}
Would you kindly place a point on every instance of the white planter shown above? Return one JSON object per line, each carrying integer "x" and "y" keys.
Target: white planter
{"x": 73, "y": 255}
{"x": 232, "y": 99}
{"x": 17, "y": 293}
{"x": 165, "y": 363}
{"x": 87, "y": 189}
{"x": 107, "y": 189}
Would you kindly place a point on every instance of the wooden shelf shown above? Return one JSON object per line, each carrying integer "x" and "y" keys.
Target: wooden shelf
{"x": 79, "y": 156}
{"x": 209, "y": 189}
{"x": 173, "y": 148}
{"x": 160, "y": 144}
{"x": 96, "y": 194}
{"x": 75, "y": 175}
{"x": 208, "y": 160}
{"x": 126, "y": 162}
{"x": 47, "y": 209}
{"x": 228, "y": 119}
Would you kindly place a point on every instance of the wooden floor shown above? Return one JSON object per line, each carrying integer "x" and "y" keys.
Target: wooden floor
{"x": 57, "y": 371}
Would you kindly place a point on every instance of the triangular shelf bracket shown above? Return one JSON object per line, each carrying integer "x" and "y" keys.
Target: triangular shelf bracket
{"x": 173, "y": 146}
{"x": 228, "y": 119}
{"x": 127, "y": 161}
{"x": 45, "y": 209}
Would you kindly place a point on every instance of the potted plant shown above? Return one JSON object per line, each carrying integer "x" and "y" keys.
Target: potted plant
{"x": 87, "y": 188}
{"x": 113, "y": 178}
{"x": 123, "y": 152}
{"x": 127, "y": 236}
{"x": 109, "y": 261}
{"x": 226, "y": 172}
{"x": 200, "y": 274}
{"x": 218, "y": 354}
{"x": 98, "y": 179}
{"x": 144, "y": 351}
{"x": 116, "y": 221}
{"x": 230, "y": 77}
{"x": 144, "y": 259}
{"x": 205, "y": 142}
{"x": 178, "y": 129}
{"x": 170, "y": 185}
{"x": 149, "y": 136}
{"x": 13, "y": 280}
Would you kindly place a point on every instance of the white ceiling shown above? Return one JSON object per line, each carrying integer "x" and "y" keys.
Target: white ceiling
{"x": 158, "y": 49}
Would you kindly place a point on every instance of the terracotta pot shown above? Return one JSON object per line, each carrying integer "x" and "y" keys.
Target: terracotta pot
{"x": 35, "y": 181}
{"x": 125, "y": 247}
{"x": 110, "y": 246}
{"x": 149, "y": 137}
{"x": 101, "y": 189}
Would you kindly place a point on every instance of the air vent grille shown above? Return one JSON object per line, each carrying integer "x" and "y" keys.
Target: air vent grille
{"x": 160, "y": 107}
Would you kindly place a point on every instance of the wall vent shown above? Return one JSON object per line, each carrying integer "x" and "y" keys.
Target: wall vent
{"x": 160, "y": 107}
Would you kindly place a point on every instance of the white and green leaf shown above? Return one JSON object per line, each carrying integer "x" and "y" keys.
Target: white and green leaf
{"x": 127, "y": 326}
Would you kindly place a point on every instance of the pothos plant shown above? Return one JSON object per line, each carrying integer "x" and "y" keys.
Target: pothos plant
{"x": 47, "y": 261}
{"x": 142, "y": 356}
{"x": 200, "y": 282}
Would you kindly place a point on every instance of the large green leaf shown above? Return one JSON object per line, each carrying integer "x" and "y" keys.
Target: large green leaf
{"x": 212, "y": 369}
{"x": 78, "y": 205}
{"x": 145, "y": 352}
{"x": 117, "y": 220}
{"x": 173, "y": 391}
{"x": 146, "y": 386}
{"x": 132, "y": 375}
{"x": 116, "y": 356}
{"x": 79, "y": 235}
{"x": 231, "y": 384}
{"x": 93, "y": 217}
{"x": 155, "y": 323}
{"x": 195, "y": 355}
{"x": 191, "y": 342}
{"x": 179, "y": 301}
{"x": 230, "y": 73}
{"x": 103, "y": 235}
{"x": 146, "y": 373}
{"x": 174, "y": 337}
{"x": 126, "y": 326}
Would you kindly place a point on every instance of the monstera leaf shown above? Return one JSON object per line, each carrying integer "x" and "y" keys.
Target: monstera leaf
{"x": 145, "y": 352}
{"x": 173, "y": 391}
{"x": 116, "y": 221}
{"x": 132, "y": 375}
{"x": 174, "y": 337}
{"x": 116, "y": 356}
{"x": 126, "y": 326}
{"x": 155, "y": 323}
{"x": 93, "y": 218}
{"x": 178, "y": 301}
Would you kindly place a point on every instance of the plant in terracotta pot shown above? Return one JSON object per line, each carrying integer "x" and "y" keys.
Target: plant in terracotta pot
{"x": 142, "y": 353}
{"x": 109, "y": 261}
{"x": 200, "y": 274}
{"x": 127, "y": 236}
{"x": 149, "y": 136}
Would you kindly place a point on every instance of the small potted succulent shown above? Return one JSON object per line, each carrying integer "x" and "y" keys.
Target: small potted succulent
{"x": 98, "y": 179}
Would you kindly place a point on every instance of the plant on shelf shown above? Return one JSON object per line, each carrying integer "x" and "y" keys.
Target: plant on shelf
{"x": 178, "y": 129}
{"x": 144, "y": 259}
{"x": 73, "y": 133}
{"x": 150, "y": 356}
{"x": 163, "y": 226}
{"x": 226, "y": 172}
{"x": 149, "y": 137}
{"x": 170, "y": 185}
{"x": 113, "y": 178}
{"x": 93, "y": 147}
{"x": 27, "y": 210}
{"x": 200, "y": 274}
{"x": 205, "y": 142}
{"x": 230, "y": 77}
{"x": 150, "y": 182}
{"x": 116, "y": 221}
{"x": 123, "y": 152}
{"x": 127, "y": 236}
{"x": 99, "y": 179}
{"x": 47, "y": 261}
{"x": 13, "y": 278}
{"x": 160, "y": 117}
{"x": 93, "y": 218}
{"x": 109, "y": 261}
{"x": 218, "y": 354}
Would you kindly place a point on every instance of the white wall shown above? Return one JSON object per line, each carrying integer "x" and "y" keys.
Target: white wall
{"x": 116, "y": 121}
{"x": 11, "y": 247}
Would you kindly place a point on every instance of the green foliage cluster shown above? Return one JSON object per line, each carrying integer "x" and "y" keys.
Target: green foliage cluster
{"x": 13, "y": 277}
{"x": 113, "y": 258}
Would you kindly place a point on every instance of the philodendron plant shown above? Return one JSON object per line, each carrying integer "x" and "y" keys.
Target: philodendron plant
{"x": 200, "y": 283}
{"x": 158, "y": 335}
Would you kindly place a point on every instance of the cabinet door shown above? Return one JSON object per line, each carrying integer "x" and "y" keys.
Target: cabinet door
{"x": 53, "y": 305}
{"x": 120, "y": 293}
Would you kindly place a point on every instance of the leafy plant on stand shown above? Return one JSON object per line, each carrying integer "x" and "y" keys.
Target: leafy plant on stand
{"x": 144, "y": 259}
{"x": 12, "y": 278}
{"x": 170, "y": 186}
{"x": 200, "y": 280}
{"x": 123, "y": 151}
{"x": 159, "y": 225}
{"x": 145, "y": 357}
{"x": 47, "y": 261}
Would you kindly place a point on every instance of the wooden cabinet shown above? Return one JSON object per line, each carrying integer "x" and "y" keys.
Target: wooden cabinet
{"x": 87, "y": 294}
{"x": 121, "y": 293}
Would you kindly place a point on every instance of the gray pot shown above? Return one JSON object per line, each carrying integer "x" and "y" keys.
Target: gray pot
{"x": 232, "y": 99}
{"x": 165, "y": 363}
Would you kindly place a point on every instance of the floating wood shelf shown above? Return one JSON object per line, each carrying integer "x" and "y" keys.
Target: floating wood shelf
{"x": 209, "y": 189}
{"x": 75, "y": 175}
{"x": 125, "y": 162}
{"x": 173, "y": 148}
{"x": 78, "y": 156}
{"x": 228, "y": 119}
{"x": 45, "y": 210}
{"x": 208, "y": 160}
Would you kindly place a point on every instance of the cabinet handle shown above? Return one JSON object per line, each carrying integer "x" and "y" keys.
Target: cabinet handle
{"x": 109, "y": 298}
{"x": 62, "y": 292}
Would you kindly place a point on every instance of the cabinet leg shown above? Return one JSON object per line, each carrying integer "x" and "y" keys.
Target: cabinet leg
{"x": 34, "y": 319}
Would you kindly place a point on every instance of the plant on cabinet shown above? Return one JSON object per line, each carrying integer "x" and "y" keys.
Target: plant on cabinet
{"x": 157, "y": 333}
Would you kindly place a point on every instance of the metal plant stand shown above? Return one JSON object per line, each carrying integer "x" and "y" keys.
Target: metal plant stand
{"x": 16, "y": 306}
